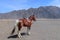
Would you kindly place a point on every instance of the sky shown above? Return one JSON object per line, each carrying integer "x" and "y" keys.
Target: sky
{"x": 10, "y": 5}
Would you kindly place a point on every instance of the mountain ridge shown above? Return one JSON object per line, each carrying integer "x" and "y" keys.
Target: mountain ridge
{"x": 40, "y": 12}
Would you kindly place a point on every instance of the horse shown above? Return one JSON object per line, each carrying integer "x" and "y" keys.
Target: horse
{"x": 24, "y": 22}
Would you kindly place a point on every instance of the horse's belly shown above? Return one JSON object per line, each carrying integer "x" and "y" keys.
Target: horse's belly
{"x": 27, "y": 25}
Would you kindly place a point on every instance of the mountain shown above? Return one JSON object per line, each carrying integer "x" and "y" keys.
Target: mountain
{"x": 40, "y": 12}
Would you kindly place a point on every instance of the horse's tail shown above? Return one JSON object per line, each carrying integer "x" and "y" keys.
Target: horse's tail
{"x": 13, "y": 30}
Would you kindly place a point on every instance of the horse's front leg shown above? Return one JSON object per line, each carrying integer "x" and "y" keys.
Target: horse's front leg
{"x": 28, "y": 30}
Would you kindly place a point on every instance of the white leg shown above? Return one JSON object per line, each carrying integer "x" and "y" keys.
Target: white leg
{"x": 28, "y": 30}
{"x": 19, "y": 35}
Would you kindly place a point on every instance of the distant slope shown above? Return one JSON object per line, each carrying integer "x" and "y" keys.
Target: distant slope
{"x": 40, "y": 12}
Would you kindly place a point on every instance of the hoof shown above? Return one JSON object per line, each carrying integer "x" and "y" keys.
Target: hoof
{"x": 28, "y": 33}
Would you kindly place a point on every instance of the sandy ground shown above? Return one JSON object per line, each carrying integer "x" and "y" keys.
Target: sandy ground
{"x": 42, "y": 29}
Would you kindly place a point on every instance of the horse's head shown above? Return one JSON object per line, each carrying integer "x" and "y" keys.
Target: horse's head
{"x": 32, "y": 17}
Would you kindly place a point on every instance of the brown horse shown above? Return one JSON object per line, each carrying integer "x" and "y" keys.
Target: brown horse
{"x": 24, "y": 23}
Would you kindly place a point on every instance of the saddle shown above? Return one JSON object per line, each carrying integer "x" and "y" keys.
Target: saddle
{"x": 26, "y": 22}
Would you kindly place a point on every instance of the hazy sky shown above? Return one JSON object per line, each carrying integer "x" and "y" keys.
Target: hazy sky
{"x": 9, "y": 5}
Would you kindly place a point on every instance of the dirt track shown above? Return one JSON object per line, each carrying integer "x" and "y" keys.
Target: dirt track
{"x": 41, "y": 30}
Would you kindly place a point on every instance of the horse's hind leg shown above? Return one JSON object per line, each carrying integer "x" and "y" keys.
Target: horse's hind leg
{"x": 28, "y": 30}
{"x": 19, "y": 33}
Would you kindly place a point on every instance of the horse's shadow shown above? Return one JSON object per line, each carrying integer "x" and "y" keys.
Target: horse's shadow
{"x": 13, "y": 36}
{"x": 16, "y": 36}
